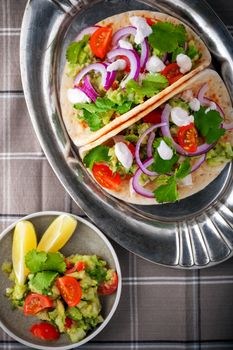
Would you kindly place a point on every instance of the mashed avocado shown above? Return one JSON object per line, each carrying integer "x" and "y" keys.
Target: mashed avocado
{"x": 45, "y": 269}
{"x": 222, "y": 153}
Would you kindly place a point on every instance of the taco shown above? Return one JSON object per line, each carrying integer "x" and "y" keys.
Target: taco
{"x": 172, "y": 152}
{"x": 122, "y": 66}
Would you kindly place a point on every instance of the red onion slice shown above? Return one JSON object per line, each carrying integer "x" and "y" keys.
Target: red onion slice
{"x": 88, "y": 89}
{"x": 150, "y": 144}
{"x": 134, "y": 63}
{"x": 98, "y": 67}
{"x": 198, "y": 163}
{"x": 227, "y": 126}
{"x": 135, "y": 183}
{"x": 130, "y": 30}
{"x": 207, "y": 101}
{"x": 86, "y": 31}
{"x": 137, "y": 150}
{"x": 166, "y": 132}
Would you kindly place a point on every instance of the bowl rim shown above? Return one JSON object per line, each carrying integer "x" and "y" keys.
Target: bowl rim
{"x": 118, "y": 292}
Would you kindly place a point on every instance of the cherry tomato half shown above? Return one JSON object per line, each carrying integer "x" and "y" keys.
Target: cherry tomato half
{"x": 172, "y": 73}
{"x": 45, "y": 331}
{"x": 153, "y": 117}
{"x": 188, "y": 137}
{"x": 131, "y": 147}
{"x": 78, "y": 266}
{"x": 100, "y": 41}
{"x": 70, "y": 290}
{"x": 105, "y": 177}
{"x": 36, "y": 302}
{"x": 109, "y": 287}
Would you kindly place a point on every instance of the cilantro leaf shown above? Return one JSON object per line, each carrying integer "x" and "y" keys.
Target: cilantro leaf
{"x": 75, "y": 49}
{"x": 41, "y": 281}
{"x": 184, "y": 169}
{"x": 209, "y": 124}
{"x": 167, "y": 192}
{"x": 98, "y": 273}
{"x": 41, "y": 261}
{"x": 160, "y": 165}
{"x": 166, "y": 36}
{"x": 176, "y": 52}
{"x": 35, "y": 261}
{"x": 97, "y": 154}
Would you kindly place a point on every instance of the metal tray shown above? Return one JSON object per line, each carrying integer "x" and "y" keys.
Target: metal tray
{"x": 193, "y": 233}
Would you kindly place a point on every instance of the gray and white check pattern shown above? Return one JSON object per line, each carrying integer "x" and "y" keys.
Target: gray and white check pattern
{"x": 160, "y": 308}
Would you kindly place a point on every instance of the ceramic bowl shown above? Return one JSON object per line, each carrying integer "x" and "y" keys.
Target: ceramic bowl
{"x": 87, "y": 239}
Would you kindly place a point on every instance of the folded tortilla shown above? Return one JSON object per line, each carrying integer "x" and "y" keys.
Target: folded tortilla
{"x": 82, "y": 135}
{"x": 203, "y": 176}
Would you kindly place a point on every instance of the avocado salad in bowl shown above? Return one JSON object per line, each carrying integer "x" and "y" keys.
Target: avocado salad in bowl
{"x": 64, "y": 289}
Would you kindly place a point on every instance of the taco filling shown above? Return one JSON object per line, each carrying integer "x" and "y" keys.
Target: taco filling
{"x": 114, "y": 71}
{"x": 163, "y": 153}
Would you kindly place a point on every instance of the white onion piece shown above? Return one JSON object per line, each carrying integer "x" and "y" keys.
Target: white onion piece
{"x": 165, "y": 152}
{"x": 123, "y": 154}
{"x": 77, "y": 96}
{"x": 186, "y": 181}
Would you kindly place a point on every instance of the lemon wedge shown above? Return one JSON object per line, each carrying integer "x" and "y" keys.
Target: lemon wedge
{"x": 24, "y": 240}
{"x": 57, "y": 234}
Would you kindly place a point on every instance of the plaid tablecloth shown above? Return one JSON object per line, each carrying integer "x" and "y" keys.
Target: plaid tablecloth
{"x": 160, "y": 308}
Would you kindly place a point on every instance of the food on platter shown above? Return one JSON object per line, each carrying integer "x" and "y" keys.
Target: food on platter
{"x": 171, "y": 153}
{"x": 123, "y": 65}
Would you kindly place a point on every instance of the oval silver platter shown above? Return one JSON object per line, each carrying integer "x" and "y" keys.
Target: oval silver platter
{"x": 193, "y": 233}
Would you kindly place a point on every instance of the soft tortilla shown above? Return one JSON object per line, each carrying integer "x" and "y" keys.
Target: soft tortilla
{"x": 82, "y": 135}
{"x": 205, "y": 174}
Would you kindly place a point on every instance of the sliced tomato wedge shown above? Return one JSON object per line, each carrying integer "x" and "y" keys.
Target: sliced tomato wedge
{"x": 110, "y": 286}
{"x": 151, "y": 21}
{"x": 45, "y": 331}
{"x": 68, "y": 322}
{"x": 78, "y": 266}
{"x": 127, "y": 68}
{"x": 105, "y": 177}
{"x": 188, "y": 137}
{"x": 36, "y": 302}
{"x": 70, "y": 290}
{"x": 172, "y": 73}
{"x": 131, "y": 147}
{"x": 153, "y": 117}
{"x": 100, "y": 41}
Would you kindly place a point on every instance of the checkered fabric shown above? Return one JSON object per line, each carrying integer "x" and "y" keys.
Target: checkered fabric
{"x": 160, "y": 308}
